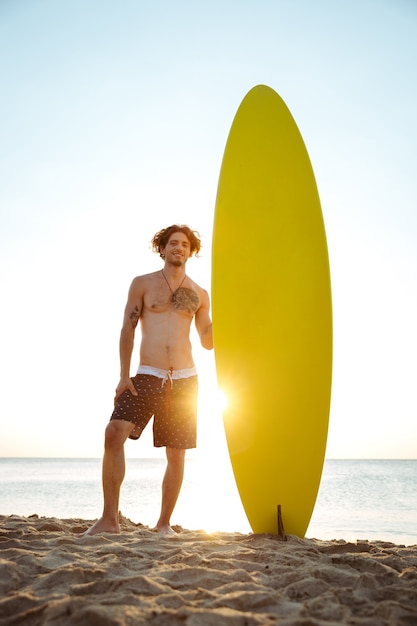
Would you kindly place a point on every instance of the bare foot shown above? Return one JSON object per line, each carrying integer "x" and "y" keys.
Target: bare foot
{"x": 166, "y": 531}
{"x": 102, "y": 526}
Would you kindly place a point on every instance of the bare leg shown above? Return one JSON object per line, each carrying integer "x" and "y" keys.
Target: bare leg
{"x": 171, "y": 487}
{"x": 113, "y": 473}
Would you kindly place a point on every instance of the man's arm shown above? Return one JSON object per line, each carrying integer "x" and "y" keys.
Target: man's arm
{"x": 203, "y": 322}
{"x": 133, "y": 311}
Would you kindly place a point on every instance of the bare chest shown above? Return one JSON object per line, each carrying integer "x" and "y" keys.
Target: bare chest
{"x": 182, "y": 300}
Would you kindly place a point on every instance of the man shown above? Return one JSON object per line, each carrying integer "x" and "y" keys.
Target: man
{"x": 165, "y": 303}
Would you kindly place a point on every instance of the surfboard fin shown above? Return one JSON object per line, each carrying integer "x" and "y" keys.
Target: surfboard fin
{"x": 281, "y": 531}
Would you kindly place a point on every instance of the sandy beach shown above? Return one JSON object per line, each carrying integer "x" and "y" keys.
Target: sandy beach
{"x": 51, "y": 575}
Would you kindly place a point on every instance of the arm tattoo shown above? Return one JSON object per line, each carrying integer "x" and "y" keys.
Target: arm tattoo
{"x": 134, "y": 317}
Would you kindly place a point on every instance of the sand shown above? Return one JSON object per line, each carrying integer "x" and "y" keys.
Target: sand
{"x": 50, "y": 575}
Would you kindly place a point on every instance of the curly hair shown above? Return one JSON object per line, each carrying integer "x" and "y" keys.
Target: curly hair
{"x": 161, "y": 238}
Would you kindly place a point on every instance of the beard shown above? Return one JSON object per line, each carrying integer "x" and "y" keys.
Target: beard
{"x": 176, "y": 262}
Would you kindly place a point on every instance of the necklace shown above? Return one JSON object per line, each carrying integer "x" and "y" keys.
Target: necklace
{"x": 174, "y": 293}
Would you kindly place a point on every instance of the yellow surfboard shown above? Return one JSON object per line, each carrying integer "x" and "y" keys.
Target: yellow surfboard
{"x": 272, "y": 314}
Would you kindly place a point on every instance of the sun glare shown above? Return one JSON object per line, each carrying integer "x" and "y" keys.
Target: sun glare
{"x": 220, "y": 400}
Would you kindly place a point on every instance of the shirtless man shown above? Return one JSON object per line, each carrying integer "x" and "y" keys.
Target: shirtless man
{"x": 165, "y": 303}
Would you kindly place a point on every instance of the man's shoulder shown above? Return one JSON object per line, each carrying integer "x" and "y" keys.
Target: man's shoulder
{"x": 145, "y": 278}
{"x": 143, "y": 282}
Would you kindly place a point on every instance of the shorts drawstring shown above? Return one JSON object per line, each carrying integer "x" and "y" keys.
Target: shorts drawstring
{"x": 169, "y": 383}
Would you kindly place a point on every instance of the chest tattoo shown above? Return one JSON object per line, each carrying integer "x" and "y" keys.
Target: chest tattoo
{"x": 185, "y": 299}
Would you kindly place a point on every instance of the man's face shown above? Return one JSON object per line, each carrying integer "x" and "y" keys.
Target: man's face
{"x": 178, "y": 249}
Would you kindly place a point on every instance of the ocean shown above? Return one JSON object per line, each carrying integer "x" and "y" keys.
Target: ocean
{"x": 358, "y": 499}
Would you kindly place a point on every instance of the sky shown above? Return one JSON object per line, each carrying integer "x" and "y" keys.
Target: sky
{"x": 113, "y": 121}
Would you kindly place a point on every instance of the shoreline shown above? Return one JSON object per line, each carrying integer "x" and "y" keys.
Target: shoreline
{"x": 380, "y": 503}
{"x": 49, "y": 574}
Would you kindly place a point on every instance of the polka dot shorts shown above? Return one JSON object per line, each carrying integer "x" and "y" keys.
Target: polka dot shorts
{"x": 173, "y": 406}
